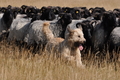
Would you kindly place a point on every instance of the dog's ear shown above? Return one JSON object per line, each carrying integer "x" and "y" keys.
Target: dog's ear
{"x": 80, "y": 27}
{"x": 70, "y": 31}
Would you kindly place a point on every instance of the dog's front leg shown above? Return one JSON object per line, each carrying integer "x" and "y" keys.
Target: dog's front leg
{"x": 68, "y": 57}
{"x": 78, "y": 59}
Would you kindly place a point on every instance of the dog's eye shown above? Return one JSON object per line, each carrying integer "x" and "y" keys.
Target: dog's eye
{"x": 79, "y": 36}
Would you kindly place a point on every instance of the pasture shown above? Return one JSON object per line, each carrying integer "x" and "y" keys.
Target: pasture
{"x": 16, "y": 64}
{"x": 21, "y": 65}
{"x": 107, "y": 4}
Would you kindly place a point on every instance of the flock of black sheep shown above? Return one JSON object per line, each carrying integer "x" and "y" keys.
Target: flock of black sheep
{"x": 101, "y": 27}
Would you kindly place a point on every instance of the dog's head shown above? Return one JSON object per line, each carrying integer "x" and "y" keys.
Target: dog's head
{"x": 76, "y": 37}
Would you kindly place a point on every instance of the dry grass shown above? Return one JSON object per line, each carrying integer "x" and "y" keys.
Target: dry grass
{"x": 108, "y": 4}
{"x": 16, "y": 64}
{"x": 21, "y": 65}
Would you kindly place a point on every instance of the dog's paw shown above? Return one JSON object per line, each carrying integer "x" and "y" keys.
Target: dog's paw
{"x": 81, "y": 66}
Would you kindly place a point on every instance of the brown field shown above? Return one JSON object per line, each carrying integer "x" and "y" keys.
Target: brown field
{"x": 108, "y": 4}
{"x": 16, "y": 64}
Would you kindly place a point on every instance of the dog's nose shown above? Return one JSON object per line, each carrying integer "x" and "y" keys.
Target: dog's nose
{"x": 84, "y": 41}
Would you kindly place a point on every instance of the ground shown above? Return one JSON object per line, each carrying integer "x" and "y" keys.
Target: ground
{"x": 108, "y": 4}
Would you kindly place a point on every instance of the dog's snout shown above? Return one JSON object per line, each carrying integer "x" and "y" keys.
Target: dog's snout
{"x": 84, "y": 41}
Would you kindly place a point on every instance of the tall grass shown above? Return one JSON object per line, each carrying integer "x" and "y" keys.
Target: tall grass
{"x": 16, "y": 64}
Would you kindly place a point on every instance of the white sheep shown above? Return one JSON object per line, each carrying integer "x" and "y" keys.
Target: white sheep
{"x": 34, "y": 34}
{"x": 115, "y": 39}
{"x": 57, "y": 27}
{"x": 72, "y": 25}
{"x": 18, "y": 29}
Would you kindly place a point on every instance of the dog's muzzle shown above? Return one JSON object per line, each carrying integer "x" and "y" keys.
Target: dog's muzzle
{"x": 79, "y": 45}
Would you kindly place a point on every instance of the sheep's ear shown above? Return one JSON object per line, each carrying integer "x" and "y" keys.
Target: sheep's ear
{"x": 91, "y": 9}
{"x": 78, "y": 25}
